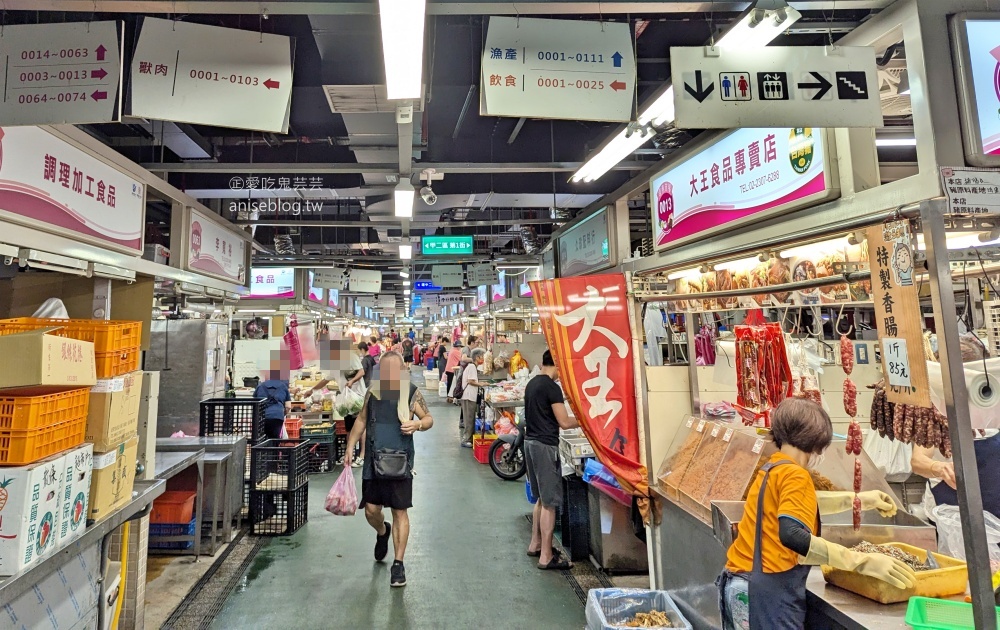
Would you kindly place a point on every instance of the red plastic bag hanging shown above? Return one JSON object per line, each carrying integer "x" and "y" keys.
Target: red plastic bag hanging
{"x": 291, "y": 339}
{"x": 342, "y": 500}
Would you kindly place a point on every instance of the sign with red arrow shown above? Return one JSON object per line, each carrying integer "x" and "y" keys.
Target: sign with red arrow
{"x": 567, "y": 69}
{"x": 210, "y": 75}
{"x": 67, "y": 73}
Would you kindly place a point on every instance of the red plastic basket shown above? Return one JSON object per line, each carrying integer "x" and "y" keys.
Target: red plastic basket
{"x": 481, "y": 449}
{"x": 292, "y": 427}
{"x": 27, "y": 409}
{"x": 173, "y": 507}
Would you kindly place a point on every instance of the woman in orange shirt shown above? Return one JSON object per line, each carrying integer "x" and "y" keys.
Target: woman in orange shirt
{"x": 763, "y": 586}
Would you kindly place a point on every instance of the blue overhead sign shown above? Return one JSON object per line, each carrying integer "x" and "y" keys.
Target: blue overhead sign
{"x": 425, "y": 285}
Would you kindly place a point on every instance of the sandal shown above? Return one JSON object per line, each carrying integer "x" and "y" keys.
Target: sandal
{"x": 537, "y": 554}
{"x": 556, "y": 564}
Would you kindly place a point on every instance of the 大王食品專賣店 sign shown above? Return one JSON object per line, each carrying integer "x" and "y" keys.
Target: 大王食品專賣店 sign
{"x": 744, "y": 175}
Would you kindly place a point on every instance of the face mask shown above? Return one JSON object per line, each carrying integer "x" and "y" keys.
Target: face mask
{"x": 815, "y": 459}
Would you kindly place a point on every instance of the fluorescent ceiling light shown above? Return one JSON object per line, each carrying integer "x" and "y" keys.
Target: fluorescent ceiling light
{"x": 693, "y": 272}
{"x": 738, "y": 265}
{"x": 402, "y": 24}
{"x": 256, "y": 310}
{"x": 895, "y": 142}
{"x": 756, "y": 28}
{"x": 406, "y": 252}
{"x": 812, "y": 248}
{"x": 406, "y": 283}
{"x": 402, "y": 199}
{"x": 760, "y": 25}
{"x": 404, "y": 274}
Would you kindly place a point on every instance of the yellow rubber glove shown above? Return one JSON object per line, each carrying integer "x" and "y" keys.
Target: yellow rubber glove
{"x": 876, "y": 565}
{"x": 836, "y": 502}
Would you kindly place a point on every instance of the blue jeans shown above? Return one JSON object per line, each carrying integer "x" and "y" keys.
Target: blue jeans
{"x": 734, "y": 601}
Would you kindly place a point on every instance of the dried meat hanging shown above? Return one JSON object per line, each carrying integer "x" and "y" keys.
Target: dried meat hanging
{"x": 854, "y": 439}
{"x": 764, "y": 377}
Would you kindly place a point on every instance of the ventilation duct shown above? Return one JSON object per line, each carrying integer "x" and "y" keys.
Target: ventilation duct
{"x": 529, "y": 239}
{"x": 283, "y": 245}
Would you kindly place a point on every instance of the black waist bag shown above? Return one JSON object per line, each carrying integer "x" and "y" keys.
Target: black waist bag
{"x": 391, "y": 464}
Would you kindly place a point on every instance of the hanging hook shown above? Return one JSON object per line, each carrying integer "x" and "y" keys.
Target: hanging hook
{"x": 840, "y": 318}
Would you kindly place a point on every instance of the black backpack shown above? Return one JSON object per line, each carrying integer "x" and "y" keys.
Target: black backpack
{"x": 459, "y": 384}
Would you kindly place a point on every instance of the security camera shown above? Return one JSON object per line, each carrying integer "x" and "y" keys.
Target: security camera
{"x": 428, "y": 195}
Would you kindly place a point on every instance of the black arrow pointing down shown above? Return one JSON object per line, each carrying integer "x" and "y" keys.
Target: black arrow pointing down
{"x": 822, "y": 85}
{"x": 701, "y": 93}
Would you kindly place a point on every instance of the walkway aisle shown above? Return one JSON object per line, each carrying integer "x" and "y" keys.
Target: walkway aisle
{"x": 465, "y": 562}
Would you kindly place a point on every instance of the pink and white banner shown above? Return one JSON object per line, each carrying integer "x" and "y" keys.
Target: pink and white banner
{"x": 746, "y": 174}
{"x": 48, "y": 183}
{"x": 214, "y": 250}
{"x": 984, "y": 58}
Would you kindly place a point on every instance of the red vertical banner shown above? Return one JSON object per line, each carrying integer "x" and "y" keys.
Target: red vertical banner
{"x": 586, "y": 324}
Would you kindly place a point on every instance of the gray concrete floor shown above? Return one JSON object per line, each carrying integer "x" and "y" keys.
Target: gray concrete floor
{"x": 465, "y": 562}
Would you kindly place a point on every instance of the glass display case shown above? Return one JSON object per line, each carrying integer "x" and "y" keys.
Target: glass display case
{"x": 679, "y": 455}
{"x": 746, "y": 454}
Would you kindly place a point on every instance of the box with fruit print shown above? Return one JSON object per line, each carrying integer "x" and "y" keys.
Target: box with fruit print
{"x": 30, "y": 502}
{"x": 111, "y": 481}
{"x": 77, "y": 468}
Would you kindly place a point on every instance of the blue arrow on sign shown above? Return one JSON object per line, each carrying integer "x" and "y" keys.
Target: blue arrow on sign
{"x": 617, "y": 59}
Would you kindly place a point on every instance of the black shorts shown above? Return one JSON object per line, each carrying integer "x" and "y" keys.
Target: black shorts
{"x": 272, "y": 428}
{"x": 396, "y": 494}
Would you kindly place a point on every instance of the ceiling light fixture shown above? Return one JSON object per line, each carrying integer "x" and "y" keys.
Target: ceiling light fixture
{"x": 402, "y": 24}
{"x": 406, "y": 253}
{"x": 693, "y": 272}
{"x": 402, "y": 199}
{"x": 404, "y": 274}
{"x": 757, "y": 27}
{"x": 895, "y": 142}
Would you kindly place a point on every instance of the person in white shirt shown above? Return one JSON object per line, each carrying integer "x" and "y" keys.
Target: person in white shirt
{"x": 470, "y": 395}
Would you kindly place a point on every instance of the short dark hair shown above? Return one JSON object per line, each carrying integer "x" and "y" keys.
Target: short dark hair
{"x": 803, "y": 424}
{"x": 363, "y": 346}
{"x": 445, "y": 340}
{"x": 547, "y": 359}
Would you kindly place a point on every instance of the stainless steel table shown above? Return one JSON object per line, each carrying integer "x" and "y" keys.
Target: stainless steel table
{"x": 220, "y": 489}
{"x": 167, "y": 466}
{"x": 239, "y": 464}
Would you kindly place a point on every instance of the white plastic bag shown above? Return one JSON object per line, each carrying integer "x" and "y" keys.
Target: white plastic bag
{"x": 891, "y": 456}
{"x": 950, "y": 539}
{"x": 443, "y": 388}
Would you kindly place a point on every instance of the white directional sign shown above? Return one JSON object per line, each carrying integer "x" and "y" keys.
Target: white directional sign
{"x": 567, "y": 69}
{"x": 775, "y": 86}
{"x": 210, "y": 75}
{"x": 365, "y": 281}
{"x": 447, "y": 275}
{"x": 385, "y": 301}
{"x": 366, "y": 302}
{"x": 61, "y": 73}
{"x": 333, "y": 278}
{"x": 483, "y": 274}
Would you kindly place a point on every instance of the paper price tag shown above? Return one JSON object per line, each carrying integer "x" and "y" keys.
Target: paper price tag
{"x": 715, "y": 431}
{"x": 728, "y": 436}
{"x": 108, "y": 386}
{"x": 897, "y": 361}
{"x": 701, "y": 426}
{"x": 758, "y": 446}
{"x": 690, "y": 422}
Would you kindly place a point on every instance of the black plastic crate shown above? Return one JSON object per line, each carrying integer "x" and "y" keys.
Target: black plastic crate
{"x": 233, "y": 416}
{"x": 279, "y": 465}
{"x": 322, "y": 456}
{"x": 341, "y": 447}
{"x": 278, "y": 513}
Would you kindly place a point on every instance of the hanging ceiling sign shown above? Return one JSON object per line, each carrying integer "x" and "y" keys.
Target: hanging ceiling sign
{"x": 584, "y": 247}
{"x": 445, "y": 245}
{"x": 271, "y": 282}
{"x": 366, "y": 281}
{"x": 61, "y": 73}
{"x": 211, "y": 76}
{"x": 483, "y": 274}
{"x": 450, "y": 299}
{"x": 447, "y": 275}
{"x": 385, "y": 301}
{"x": 972, "y": 190}
{"x": 425, "y": 285}
{"x": 214, "y": 250}
{"x": 976, "y": 57}
{"x": 365, "y": 301}
{"x": 897, "y": 313}
{"x": 49, "y": 184}
{"x": 775, "y": 86}
{"x": 747, "y": 174}
{"x": 564, "y": 69}
{"x": 334, "y": 278}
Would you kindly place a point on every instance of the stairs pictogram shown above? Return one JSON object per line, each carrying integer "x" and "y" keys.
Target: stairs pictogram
{"x": 860, "y": 91}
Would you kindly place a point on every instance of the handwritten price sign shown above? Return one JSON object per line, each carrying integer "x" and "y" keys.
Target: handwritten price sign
{"x": 897, "y": 361}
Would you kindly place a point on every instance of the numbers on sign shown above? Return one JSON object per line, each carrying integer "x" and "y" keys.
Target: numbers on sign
{"x": 551, "y": 82}
{"x": 551, "y": 56}
{"x": 204, "y": 74}
{"x": 27, "y": 77}
{"x": 242, "y": 80}
{"x": 28, "y": 55}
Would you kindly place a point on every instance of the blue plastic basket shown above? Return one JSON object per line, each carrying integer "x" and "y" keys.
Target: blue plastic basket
{"x": 171, "y": 529}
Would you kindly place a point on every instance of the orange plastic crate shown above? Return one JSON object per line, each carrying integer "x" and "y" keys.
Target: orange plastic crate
{"x": 18, "y": 448}
{"x": 111, "y": 364}
{"x": 292, "y": 427}
{"x": 173, "y": 507}
{"x": 29, "y": 409}
{"x": 107, "y": 336}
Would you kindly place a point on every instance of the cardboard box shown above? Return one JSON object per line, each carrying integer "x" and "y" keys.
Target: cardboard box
{"x": 45, "y": 359}
{"x": 114, "y": 411}
{"x": 113, "y": 476}
{"x": 148, "y": 405}
{"x": 66, "y": 599}
{"x": 78, "y": 467}
{"x": 30, "y": 502}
